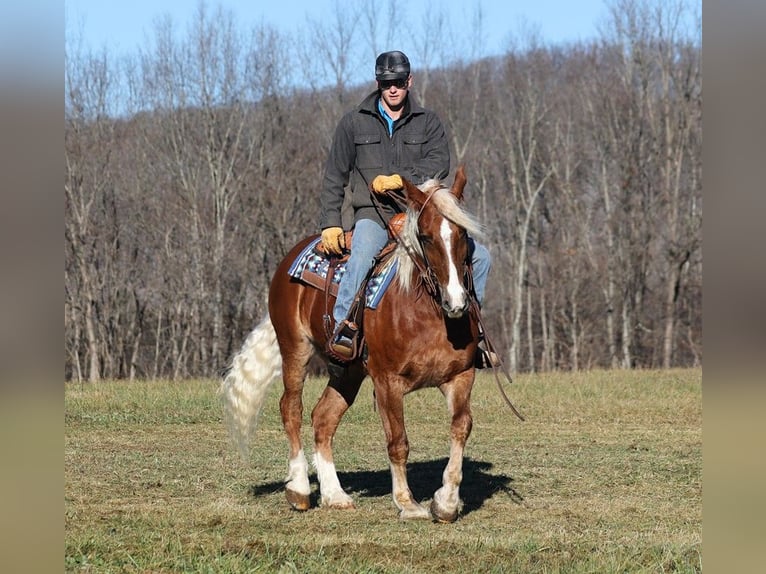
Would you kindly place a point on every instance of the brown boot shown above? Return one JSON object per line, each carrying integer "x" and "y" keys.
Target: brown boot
{"x": 485, "y": 359}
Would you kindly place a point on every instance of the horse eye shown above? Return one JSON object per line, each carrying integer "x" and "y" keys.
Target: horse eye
{"x": 425, "y": 238}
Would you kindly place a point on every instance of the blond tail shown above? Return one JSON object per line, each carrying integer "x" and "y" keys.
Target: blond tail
{"x": 243, "y": 391}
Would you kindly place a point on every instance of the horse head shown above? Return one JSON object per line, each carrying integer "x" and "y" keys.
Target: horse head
{"x": 435, "y": 240}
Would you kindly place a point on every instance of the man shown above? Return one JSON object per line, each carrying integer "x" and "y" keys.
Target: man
{"x": 388, "y": 136}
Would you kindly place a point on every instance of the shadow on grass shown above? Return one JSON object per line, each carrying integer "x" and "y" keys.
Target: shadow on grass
{"x": 478, "y": 486}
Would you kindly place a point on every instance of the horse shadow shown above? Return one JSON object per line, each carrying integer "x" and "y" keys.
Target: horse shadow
{"x": 478, "y": 486}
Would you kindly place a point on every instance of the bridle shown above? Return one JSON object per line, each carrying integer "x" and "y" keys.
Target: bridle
{"x": 424, "y": 267}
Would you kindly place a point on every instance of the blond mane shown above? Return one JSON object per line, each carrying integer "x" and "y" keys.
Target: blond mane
{"x": 450, "y": 208}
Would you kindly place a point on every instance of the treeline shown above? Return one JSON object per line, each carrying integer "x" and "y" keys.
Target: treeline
{"x": 195, "y": 164}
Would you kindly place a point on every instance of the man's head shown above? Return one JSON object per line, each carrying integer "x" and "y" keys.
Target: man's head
{"x": 392, "y": 72}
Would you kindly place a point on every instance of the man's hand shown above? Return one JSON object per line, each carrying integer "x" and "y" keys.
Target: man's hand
{"x": 333, "y": 241}
{"x": 384, "y": 183}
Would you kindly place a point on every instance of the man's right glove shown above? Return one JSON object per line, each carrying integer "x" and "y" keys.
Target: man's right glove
{"x": 332, "y": 240}
{"x": 384, "y": 183}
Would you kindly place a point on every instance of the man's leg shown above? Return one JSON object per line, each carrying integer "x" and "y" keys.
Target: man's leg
{"x": 369, "y": 238}
{"x": 481, "y": 263}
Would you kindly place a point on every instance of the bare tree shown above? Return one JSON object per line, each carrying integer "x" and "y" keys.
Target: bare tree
{"x": 88, "y": 147}
{"x": 646, "y": 162}
{"x": 674, "y": 120}
{"x": 523, "y": 94}
{"x": 379, "y": 25}
{"x": 213, "y": 97}
{"x": 327, "y": 54}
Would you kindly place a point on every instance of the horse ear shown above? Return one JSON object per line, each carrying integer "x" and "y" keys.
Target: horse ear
{"x": 459, "y": 184}
{"x": 415, "y": 197}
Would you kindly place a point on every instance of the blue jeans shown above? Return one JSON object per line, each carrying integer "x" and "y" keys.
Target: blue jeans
{"x": 369, "y": 239}
{"x": 481, "y": 263}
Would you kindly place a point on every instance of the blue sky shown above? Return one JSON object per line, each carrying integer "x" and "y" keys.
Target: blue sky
{"x": 122, "y": 26}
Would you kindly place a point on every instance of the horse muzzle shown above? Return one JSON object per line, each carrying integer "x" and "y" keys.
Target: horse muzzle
{"x": 455, "y": 309}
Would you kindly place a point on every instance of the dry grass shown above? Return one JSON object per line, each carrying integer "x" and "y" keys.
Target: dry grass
{"x": 605, "y": 476}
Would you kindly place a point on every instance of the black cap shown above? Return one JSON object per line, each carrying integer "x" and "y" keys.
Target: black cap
{"x": 392, "y": 66}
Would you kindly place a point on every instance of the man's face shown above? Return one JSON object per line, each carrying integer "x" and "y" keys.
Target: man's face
{"x": 394, "y": 92}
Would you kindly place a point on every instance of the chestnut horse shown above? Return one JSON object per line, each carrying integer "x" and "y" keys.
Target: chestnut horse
{"x": 420, "y": 335}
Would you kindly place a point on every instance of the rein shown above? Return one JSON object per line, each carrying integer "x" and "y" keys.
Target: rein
{"x": 500, "y": 366}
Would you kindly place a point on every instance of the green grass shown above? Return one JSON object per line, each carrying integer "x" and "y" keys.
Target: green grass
{"x": 604, "y": 476}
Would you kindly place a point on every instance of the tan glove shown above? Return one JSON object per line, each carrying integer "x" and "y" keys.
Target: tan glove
{"x": 332, "y": 240}
{"x": 384, "y": 183}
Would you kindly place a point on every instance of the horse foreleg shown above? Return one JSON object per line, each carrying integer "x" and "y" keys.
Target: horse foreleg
{"x": 446, "y": 501}
{"x": 391, "y": 407}
{"x": 325, "y": 418}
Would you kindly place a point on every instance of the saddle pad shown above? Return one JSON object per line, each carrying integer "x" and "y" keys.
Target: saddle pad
{"x": 311, "y": 268}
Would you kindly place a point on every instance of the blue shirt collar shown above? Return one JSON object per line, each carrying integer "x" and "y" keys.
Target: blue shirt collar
{"x": 386, "y": 117}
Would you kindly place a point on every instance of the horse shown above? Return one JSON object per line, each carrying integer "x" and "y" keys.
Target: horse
{"x": 423, "y": 333}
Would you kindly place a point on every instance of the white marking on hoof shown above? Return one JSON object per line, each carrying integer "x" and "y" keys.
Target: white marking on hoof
{"x": 445, "y": 504}
{"x": 298, "y": 475}
{"x": 332, "y": 495}
{"x": 415, "y": 512}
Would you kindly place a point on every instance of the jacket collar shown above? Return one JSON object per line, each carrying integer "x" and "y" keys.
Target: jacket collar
{"x": 370, "y": 105}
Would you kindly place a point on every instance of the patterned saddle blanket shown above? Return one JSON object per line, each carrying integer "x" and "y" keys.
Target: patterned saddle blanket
{"x": 311, "y": 268}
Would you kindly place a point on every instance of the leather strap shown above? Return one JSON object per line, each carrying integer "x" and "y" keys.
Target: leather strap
{"x": 328, "y": 319}
{"x": 475, "y": 310}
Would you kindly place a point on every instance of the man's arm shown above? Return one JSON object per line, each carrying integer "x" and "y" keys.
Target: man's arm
{"x": 340, "y": 162}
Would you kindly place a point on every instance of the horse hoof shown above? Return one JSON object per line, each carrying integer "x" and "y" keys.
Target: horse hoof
{"x": 416, "y": 513}
{"x": 298, "y": 501}
{"x": 341, "y": 506}
{"x": 338, "y": 501}
{"x": 441, "y": 515}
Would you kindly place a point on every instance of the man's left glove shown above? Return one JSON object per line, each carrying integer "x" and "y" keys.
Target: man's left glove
{"x": 384, "y": 183}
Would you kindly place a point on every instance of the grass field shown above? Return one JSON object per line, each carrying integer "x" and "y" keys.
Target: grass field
{"x": 604, "y": 476}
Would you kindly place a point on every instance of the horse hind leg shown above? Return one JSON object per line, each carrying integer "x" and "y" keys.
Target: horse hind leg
{"x": 243, "y": 392}
{"x": 337, "y": 397}
{"x": 297, "y": 485}
{"x": 446, "y": 501}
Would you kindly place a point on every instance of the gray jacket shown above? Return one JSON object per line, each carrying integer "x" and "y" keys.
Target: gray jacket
{"x": 362, "y": 149}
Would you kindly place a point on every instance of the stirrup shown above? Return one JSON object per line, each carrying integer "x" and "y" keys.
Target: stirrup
{"x": 343, "y": 346}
